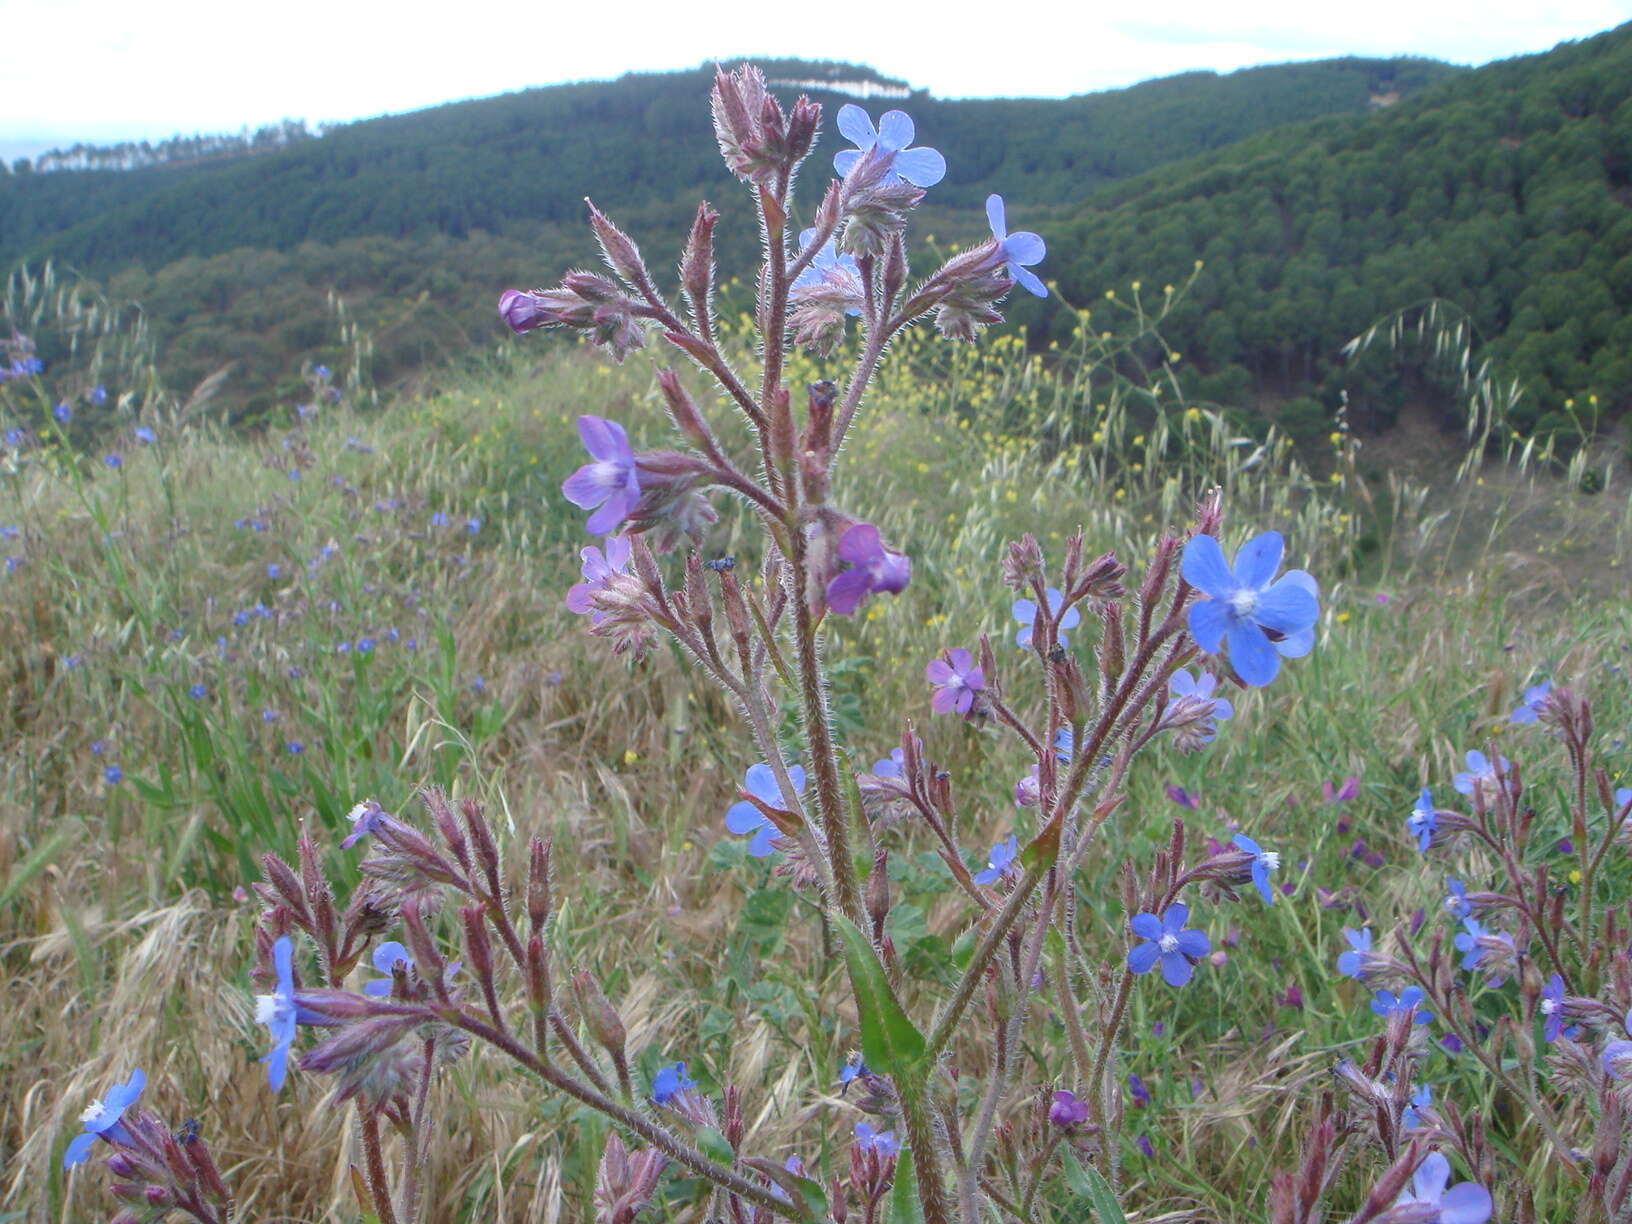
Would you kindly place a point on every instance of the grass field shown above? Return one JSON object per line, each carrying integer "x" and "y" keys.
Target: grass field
{"x": 225, "y": 640}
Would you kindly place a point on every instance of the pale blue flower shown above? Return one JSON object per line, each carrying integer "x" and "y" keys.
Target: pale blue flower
{"x": 1262, "y": 617}
{"x": 745, "y": 818}
{"x": 102, "y": 1119}
{"x": 1017, "y": 249}
{"x": 922, "y": 167}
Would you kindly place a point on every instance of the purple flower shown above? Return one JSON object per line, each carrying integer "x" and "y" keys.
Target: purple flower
{"x": 1342, "y": 794}
{"x": 598, "y": 569}
{"x": 892, "y": 766}
{"x": 1353, "y": 962}
{"x": 610, "y": 482}
{"x": 745, "y": 818}
{"x": 366, "y": 817}
{"x": 670, "y": 1082}
{"x": 1480, "y": 773}
{"x": 101, "y": 1119}
{"x": 1184, "y": 798}
{"x": 872, "y": 568}
{"x": 1167, "y": 940}
{"x": 1067, "y": 1110}
{"x": 1263, "y": 862}
{"x": 1137, "y": 1092}
{"x": 1247, "y": 605}
{"x": 1467, "y": 1203}
{"x": 1552, "y": 1007}
{"x": 277, "y": 1012}
{"x": 1468, "y": 942}
{"x": 1017, "y": 249}
{"x": 956, "y": 681}
{"x": 1534, "y": 698}
{"x": 922, "y": 167}
{"x": 1423, "y": 822}
{"x": 1386, "y": 1003}
{"x": 1025, "y": 612}
{"x": 1146, "y": 1148}
{"x": 1000, "y": 861}
{"x": 294, "y": 747}
{"x": 884, "y": 1143}
{"x": 386, "y": 957}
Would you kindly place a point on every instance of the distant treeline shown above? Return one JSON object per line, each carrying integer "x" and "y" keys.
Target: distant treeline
{"x": 177, "y": 150}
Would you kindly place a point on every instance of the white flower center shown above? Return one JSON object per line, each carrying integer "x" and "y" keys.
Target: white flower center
{"x": 1243, "y": 602}
{"x": 608, "y": 474}
{"x": 93, "y": 1111}
{"x": 1453, "y": 902}
{"x": 267, "y": 1008}
{"x": 1271, "y": 859}
{"x": 1168, "y": 942}
{"x": 1549, "y": 1006}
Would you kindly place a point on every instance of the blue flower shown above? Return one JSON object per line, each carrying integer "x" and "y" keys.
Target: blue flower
{"x": 113, "y": 774}
{"x": 1065, "y": 745}
{"x": 1421, "y": 1099}
{"x": 63, "y": 413}
{"x": 365, "y": 645}
{"x": 1423, "y": 821}
{"x": 884, "y": 1143}
{"x": 294, "y": 747}
{"x": 610, "y": 482}
{"x": 852, "y": 1071}
{"x": 198, "y": 692}
{"x": 1386, "y": 1003}
{"x": 145, "y": 436}
{"x": 892, "y": 766}
{"x": 113, "y": 461}
{"x": 1167, "y": 940}
{"x": 386, "y": 957}
{"x": 1025, "y": 612}
{"x": 1552, "y": 1007}
{"x": 439, "y": 519}
{"x": 1183, "y": 685}
{"x": 745, "y": 818}
{"x": 1465, "y": 1203}
{"x": 1456, "y": 897}
{"x": 1353, "y": 962}
{"x": 101, "y": 1119}
{"x": 366, "y": 817}
{"x": 14, "y": 437}
{"x": 670, "y": 1082}
{"x": 1534, "y": 698}
{"x": 99, "y": 394}
{"x": 1480, "y": 773}
{"x": 999, "y": 861}
{"x": 828, "y": 266}
{"x": 1263, "y": 862}
{"x": 1017, "y": 249}
{"x": 1247, "y": 604}
{"x": 277, "y": 1012}
{"x": 1468, "y": 942}
{"x": 922, "y": 167}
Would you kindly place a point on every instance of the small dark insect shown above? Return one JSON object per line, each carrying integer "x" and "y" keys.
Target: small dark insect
{"x": 188, "y": 1132}
{"x": 1057, "y": 655}
{"x": 721, "y": 565}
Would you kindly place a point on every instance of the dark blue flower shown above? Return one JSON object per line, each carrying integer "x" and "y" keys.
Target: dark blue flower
{"x": 745, "y": 818}
{"x": 853, "y": 1070}
{"x": 1247, "y": 604}
{"x": 1017, "y": 249}
{"x": 101, "y": 1119}
{"x": 1423, "y": 821}
{"x": 922, "y": 167}
{"x": 63, "y": 413}
{"x": 1000, "y": 861}
{"x": 294, "y": 747}
{"x": 1167, "y": 940}
{"x": 277, "y": 1012}
{"x": 113, "y": 774}
{"x": 1263, "y": 862}
{"x": 1386, "y": 1003}
{"x": 198, "y": 692}
{"x": 113, "y": 461}
{"x": 99, "y": 394}
{"x": 670, "y": 1082}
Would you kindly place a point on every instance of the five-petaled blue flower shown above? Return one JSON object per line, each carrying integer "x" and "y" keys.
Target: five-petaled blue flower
{"x": 101, "y": 1119}
{"x": 1017, "y": 249}
{"x": 922, "y": 167}
{"x": 1465, "y": 1203}
{"x": 744, "y": 817}
{"x": 1534, "y": 697}
{"x": 1386, "y": 1003}
{"x": 1025, "y": 612}
{"x": 1480, "y": 772}
{"x": 1167, "y": 940}
{"x": 1247, "y": 604}
{"x": 1468, "y": 942}
{"x": 611, "y": 482}
{"x": 1423, "y": 821}
{"x": 852, "y": 1071}
{"x": 1000, "y": 861}
{"x": 1456, "y": 897}
{"x": 1263, "y": 862}
{"x": 1353, "y": 962}
{"x": 277, "y": 1012}
{"x": 670, "y": 1082}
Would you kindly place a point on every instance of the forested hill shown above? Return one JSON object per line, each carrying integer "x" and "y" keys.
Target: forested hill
{"x": 642, "y": 142}
{"x": 1507, "y": 192}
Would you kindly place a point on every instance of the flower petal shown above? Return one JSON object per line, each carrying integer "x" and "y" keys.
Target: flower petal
{"x": 1024, "y": 611}
{"x": 1203, "y": 568}
{"x": 1176, "y": 916}
{"x": 1251, "y": 654}
{"x": 283, "y": 961}
{"x": 1028, "y": 281}
{"x": 895, "y": 130}
{"x": 922, "y": 167}
{"x": 860, "y": 544}
{"x": 796, "y": 775}
{"x": 945, "y": 700}
{"x": 939, "y": 671}
{"x": 123, "y": 1096}
{"x": 1259, "y": 558}
{"x": 604, "y": 439}
{"x": 609, "y": 515}
{"x": 760, "y": 782}
{"x": 1194, "y": 943}
{"x": 79, "y": 1151}
{"x": 1468, "y": 1203}
{"x": 388, "y": 954}
{"x": 845, "y": 161}
{"x": 587, "y": 486}
{"x": 761, "y": 846}
{"x": 744, "y": 817}
{"x": 995, "y": 217}
{"x": 855, "y": 126}
{"x": 1176, "y": 970}
{"x": 846, "y": 591}
{"x": 1209, "y": 620}
{"x": 1286, "y": 607}
{"x": 1146, "y": 926}
{"x": 1142, "y": 959}
{"x": 1431, "y": 1176}
{"x": 1024, "y": 248}
{"x": 960, "y": 659}
{"x": 277, "y": 1065}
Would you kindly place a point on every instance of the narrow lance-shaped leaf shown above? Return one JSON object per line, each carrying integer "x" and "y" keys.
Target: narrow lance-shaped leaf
{"x": 890, "y": 1042}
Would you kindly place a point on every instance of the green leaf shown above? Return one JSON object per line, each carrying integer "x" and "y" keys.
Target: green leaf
{"x": 904, "y": 1205}
{"x": 1040, "y": 854}
{"x": 1091, "y": 1185}
{"x": 714, "y": 1146}
{"x": 890, "y": 1042}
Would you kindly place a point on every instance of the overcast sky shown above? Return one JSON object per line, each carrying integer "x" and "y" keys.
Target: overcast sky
{"x": 99, "y": 71}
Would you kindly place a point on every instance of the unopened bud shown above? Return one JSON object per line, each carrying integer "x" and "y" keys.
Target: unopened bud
{"x": 619, "y": 250}
{"x": 538, "y": 884}
{"x": 1076, "y": 697}
{"x": 478, "y": 949}
{"x": 600, "y": 1017}
{"x": 803, "y": 121}
{"x": 1023, "y": 563}
{"x": 683, "y": 410}
{"x": 895, "y": 267}
{"x": 1111, "y": 657}
{"x": 697, "y": 264}
{"x": 878, "y": 892}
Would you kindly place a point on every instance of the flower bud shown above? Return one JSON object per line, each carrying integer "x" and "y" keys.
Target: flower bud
{"x": 803, "y": 121}
{"x": 697, "y": 264}
{"x": 538, "y": 883}
{"x": 599, "y": 1016}
{"x": 1023, "y": 564}
{"x": 878, "y": 892}
{"x": 617, "y": 248}
{"x": 683, "y": 410}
